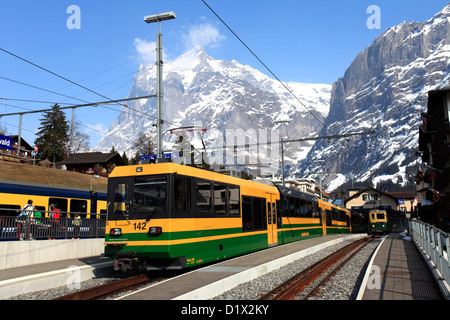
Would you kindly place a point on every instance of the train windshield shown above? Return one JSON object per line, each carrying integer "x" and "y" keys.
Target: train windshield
{"x": 138, "y": 197}
{"x": 150, "y": 194}
{"x": 380, "y": 216}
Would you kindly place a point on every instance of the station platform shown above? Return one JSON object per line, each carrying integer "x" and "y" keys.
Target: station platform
{"x": 208, "y": 282}
{"x": 398, "y": 272}
{"x": 44, "y": 276}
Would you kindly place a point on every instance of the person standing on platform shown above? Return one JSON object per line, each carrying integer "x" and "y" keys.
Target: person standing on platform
{"x": 24, "y": 220}
{"x": 54, "y": 221}
{"x": 76, "y": 226}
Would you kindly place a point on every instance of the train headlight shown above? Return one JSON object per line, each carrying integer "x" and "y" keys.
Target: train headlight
{"x": 115, "y": 232}
{"x": 155, "y": 231}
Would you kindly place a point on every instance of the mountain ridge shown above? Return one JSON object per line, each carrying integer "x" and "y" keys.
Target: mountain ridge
{"x": 385, "y": 88}
{"x": 220, "y": 95}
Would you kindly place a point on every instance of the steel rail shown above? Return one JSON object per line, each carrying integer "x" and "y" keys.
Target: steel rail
{"x": 322, "y": 282}
{"x": 108, "y": 288}
{"x": 291, "y": 288}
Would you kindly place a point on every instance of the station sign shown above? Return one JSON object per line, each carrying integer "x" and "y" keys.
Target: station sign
{"x": 148, "y": 157}
{"x": 6, "y": 142}
{"x": 165, "y": 156}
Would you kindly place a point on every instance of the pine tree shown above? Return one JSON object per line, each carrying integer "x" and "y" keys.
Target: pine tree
{"x": 53, "y": 135}
{"x": 125, "y": 159}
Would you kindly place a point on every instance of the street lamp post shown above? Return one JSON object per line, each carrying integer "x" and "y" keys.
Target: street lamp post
{"x": 320, "y": 177}
{"x": 159, "y": 74}
{"x": 282, "y": 153}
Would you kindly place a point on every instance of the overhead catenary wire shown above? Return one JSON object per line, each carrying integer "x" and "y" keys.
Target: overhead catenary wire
{"x": 267, "y": 68}
{"x": 42, "y": 89}
{"x": 54, "y": 73}
{"x": 99, "y": 73}
{"x": 269, "y": 143}
{"x": 53, "y": 92}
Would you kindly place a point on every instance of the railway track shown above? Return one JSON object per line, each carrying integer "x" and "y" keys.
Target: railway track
{"x": 108, "y": 289}
{"x": 326, "y": 268}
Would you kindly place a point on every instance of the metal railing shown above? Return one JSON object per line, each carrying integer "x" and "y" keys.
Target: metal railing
{"x": 435, "y": 245}
{"x": 34, "y": 228}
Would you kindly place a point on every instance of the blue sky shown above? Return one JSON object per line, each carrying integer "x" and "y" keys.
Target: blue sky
{"x": 300, "y": 40}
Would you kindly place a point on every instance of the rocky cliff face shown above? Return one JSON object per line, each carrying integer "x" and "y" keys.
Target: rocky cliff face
{"x": 384, "y": 89}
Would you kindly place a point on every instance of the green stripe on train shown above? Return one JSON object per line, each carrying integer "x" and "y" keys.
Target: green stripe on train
{"x": 197, "y": 252}
{"x": 181, "y": 235}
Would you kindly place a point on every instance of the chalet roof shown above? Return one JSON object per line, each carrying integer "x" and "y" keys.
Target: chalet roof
{"x": 356, "y": 195}
{"x": 92, "y": 157}
{"x": 402, "y": 194}
{"x": 23, "y": 142}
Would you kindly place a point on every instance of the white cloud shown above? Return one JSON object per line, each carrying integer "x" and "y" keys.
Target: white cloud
{"x": 146, "y": 50}
{"x": 99, "y": 129}
{"x": 204, "y": 35}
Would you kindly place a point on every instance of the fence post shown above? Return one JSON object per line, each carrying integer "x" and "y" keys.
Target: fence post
{"x": 446, "y": 265}
{"x": 439, "y": 252}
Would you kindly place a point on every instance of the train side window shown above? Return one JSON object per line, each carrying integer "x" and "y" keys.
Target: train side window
{"x": 269, "y": 213}
{"x": 298, "y": 207}
{"x": 14, "y": 210}
{"x": 182, "y": 194}
{"x": 247, "y": 220}
{"x": 253, "y": 214}
{"x": 203, "y": 195}
{"x": 335, "y": 215}
{"x": 78, "y": 206}
{"x": 291, "y": 207}
{"x": 285, "y": 207}
{"x": 309, "y": 206}
{"x": 220, "y": 199}
{"x": 316, "y": 212}
{"x": 259, "y": 214}
{"x": 61, "y": 204}
{"x": 234, "y": 205}
{"x": 329, "y": 223}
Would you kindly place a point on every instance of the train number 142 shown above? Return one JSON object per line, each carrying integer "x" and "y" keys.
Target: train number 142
{"x": 140, "y": 226}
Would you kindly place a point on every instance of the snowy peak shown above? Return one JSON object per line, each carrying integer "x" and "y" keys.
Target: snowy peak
{"x": 194, "y": 59}
{"x": 221, "y": 95}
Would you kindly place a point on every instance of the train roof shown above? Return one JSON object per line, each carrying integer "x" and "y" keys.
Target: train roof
{"x": 296, "y": 193}
{"x": 170, "y": 167}
{"x": 25, "y": 173}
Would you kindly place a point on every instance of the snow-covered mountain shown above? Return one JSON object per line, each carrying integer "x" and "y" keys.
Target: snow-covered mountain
{"x": 220, "y": 95}
{"x": 384, "y": 89}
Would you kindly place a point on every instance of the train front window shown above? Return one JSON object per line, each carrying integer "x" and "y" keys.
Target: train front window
{"x": 380, "y": 216}
{"x": 150, "y": 194}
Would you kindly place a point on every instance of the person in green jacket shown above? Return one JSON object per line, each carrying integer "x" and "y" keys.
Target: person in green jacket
{"x": 76, "y": 226}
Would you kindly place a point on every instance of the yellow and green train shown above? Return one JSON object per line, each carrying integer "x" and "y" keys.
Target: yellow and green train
{"x": 169, "y": 216}
{"x": 378, "y": 222}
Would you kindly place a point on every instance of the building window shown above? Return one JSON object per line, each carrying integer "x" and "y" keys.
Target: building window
{"x": 369, "y": 196}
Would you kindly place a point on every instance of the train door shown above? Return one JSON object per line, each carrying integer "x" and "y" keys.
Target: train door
{"x": 324, "y": 221}
{"x": 119, "y": 200}
{"x": 272, "y": 230}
